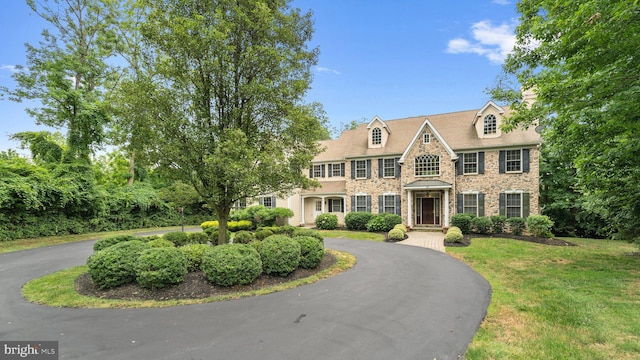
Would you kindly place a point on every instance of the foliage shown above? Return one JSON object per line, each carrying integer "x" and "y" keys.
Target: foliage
{"x": 280, "y": 255}
{"x": 193, "y": 254}
{"x": 516, "y": 225}
{"x": 462, "y": 221}
{"x": 239, "y": 225}
{"x": 481, "y": 224}
{"x": 311, "y": 251}
{"x": 209, "y": 224}
{"x": 243, "y": 237}
{"x": 327, "y": 221}
{"x": 453, "y": 237}
{"x": 357, "y": 220}
{"x": 229, "y": 265}
{"x": 539, "y": 225}
{"x": 263, "y": 234}
{"x": 497, "y": 223}
{"x": 197, "y": 238}
{"x": 395, "y": 234}
{"x": 159, "y": 267}
{"x": 454, "y": 229}
{"x": 114, "y": 266}
{"x": 401, "y": 227}
{"x": 159, "y": 243}
{"x": 111, "y": 240}
{"x": 178, "y": 238}
{"x": 286, "y": 230}
{"x": 307, "y": 232}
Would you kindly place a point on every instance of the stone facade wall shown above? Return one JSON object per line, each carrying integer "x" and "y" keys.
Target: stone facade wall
{"x": 374, "y": 186}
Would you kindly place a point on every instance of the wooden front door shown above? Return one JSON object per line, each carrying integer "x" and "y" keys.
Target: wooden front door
{"x": 428, "y": 217}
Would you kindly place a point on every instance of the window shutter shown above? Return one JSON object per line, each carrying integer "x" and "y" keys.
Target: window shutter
{"x": 273, "y": 202}
{"x": 525, "y": 160}
{"x": 459, "y": 203}
{"x": 330, "y": 207}
{"x": 398, "y": 205}
{"x": 341, "y": 169}
{"x": 525, "y": 205}
{"x": 368, "y": 168}
{"x": 459, "y": 167}
{"x": 330, "y": 170}
{"x": 397, "y": 167}
{"x": 369, "y": 202}
{"x": 502, "y": 205}
{"x": 380, "y": 168}
{"x": 353, "y": 169}
{"x": 342, "y": 205}
{"x": 311, "y": 172}
{"x": 480, "y": 162}
{"x": 322, "y": 170}
{"x": 380, "y": 204}
{"x": 480, "y": 204}
{"x": 353, "y": 203}
{"x": 502, "y": 159}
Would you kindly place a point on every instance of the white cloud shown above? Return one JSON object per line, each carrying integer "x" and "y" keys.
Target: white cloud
{"x": 501, "y": 2}
{"x": 494, "y": 42}
{"x": 321, "y": 69}
{"x": 10, "y": 68}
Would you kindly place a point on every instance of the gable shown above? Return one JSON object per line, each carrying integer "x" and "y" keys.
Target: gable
{"x": 378, "y": 133}
{"x": 487, "y": 121}
{"x": 435, "y": 139}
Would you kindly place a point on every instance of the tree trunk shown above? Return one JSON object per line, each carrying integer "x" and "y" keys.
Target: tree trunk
{"x": 132, "y": 168}
{"x": 222, "y": 216}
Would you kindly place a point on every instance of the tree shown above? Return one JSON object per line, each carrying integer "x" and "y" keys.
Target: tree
{"x": 581, "y": 59}
{"x": 66, "y": 73}
{"x": 45, "y": 147}
{"x": 230, "y": 79}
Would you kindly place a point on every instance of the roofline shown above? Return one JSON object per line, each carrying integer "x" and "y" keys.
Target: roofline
{"x": 496, "y": 147}
{"x": 435, "y": 133}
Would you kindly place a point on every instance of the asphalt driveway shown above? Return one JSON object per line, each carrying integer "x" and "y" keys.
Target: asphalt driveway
{"x": 397, "y": 302}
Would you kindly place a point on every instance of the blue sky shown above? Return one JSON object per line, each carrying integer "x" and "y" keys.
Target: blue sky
{"x": 388, "y": 58}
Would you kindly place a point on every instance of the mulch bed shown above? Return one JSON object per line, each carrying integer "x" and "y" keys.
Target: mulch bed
{"x": 195, "y": 285}
{"x": 466, "y": 240}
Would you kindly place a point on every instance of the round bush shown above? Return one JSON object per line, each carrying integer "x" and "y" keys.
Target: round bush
{"x": 193, "y": 254}
{"x": 481, "y": 224}
{"x": 112, "y": 240}
{"x": 308, "y": 232}
{"x": 229, "y": 265}
{"x": 209, "y": 224}
{"x": 213, "y": 234}
{"x": 401, "y": 227}
{"x": 539, "y": 225}
{"x": 286, "y": 230}
{"x": 280, "y": 255}
{"x": 454, "y": 229}
{"x": 453, "y": 237}
{"x": 498, "y": 223}
{"x": 158, "y": 243}
{"x": 462, "y": 221}
{"x": 197, "y": 238}
{"x": 357, "y": 220}
{"x": 159, "y": 267}
{"x": 395, "y": 234}
{"x": 114, "y": 266}
{"x": 327, "y": 221}
{"x": 391, "y": 220}
{"x": 516, "y": 225}
{"x": 377, "y": 224}
{"x": 311, "y": 251}
{"x": 243, "y": 237}
{"x": 263, "y": 234}
{"x": 178, "y": 238}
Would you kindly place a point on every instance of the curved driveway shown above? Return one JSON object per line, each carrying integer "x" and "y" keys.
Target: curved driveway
{"x": 397, "y": 302}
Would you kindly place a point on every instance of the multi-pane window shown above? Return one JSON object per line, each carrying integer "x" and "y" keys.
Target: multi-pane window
{"x": 376, "y": 136}
{"x": 470, "y": 204}
{"x": 389, "y": 205}
{"x": 317, "y": 171}
{"x": 361, "y": 169}
{"x": 427, "y": 165}
{"x": 514, "y": 160}
{"x": 470, "y": 163}
{"x": 490, "y": 124}
{"x": 426, "y": 138}
{"x": 361, "y": 203}
{"x": 389, "y": 167}
{"x": 240, "y": 204}
{"x": 336, "y": 170}
{"x": 336, "y": 205}
{"x": 514, "y": 205}
{"x": 267, "y": 201}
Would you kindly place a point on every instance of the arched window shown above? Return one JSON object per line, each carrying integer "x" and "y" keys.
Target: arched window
{"x": 427, "y": 165}
{"x": 490, "y": 124}
{"x": 376, "y": 136}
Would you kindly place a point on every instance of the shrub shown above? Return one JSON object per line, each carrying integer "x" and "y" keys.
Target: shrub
{"x": 234, "y": 226}
{"x": 282, "y": 215}
{"x": 462, "y": 221}
{"x": 158, "y": 243}
{"x": 308, "y": 232}
{"x": 285, "y": 230}
{"x": 149, "y": 238}
{"x": 159, "y": 267}
{"x": 454, "y": 229}
{"x": 280, "y": 255}
{"x": 401, "y": 227}
{"x": 539, "y": 225}
{"x": 178, "y": 238}
{"x": 193, "y": 254}
{"x": 229, "y": 265}
{"x": 213, "y": 234}
{"x": 209, "y": 224}
{"x": 497, "y": 223}
{"x": 112, "y": 240}
{"x": 357, "y": 220}
{"x": 114, "y": 266}
{"x": 453, "y": 237}
{"x": 391, "y": 220}
{"x": 243, "y": 237}
{"x": 376, "y": 224}
{"x": 263, "y": 234}
{"x": 516, "y": 225}
{"x": 481, "y": 224}
{"x": 197, "y": 238}
{"x": 327, "y": 221}
{"x": 311, "y": 251}
{"x": 395, "y": 234}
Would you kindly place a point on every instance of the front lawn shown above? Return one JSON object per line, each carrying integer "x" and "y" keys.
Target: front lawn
{"x": 552, "y": 302}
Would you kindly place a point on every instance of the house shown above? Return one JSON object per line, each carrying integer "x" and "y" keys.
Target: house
{"x": 425, "y": 169}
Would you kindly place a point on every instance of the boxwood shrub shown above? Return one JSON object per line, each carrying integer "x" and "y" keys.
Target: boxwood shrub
{"x": 401, "y": 227}
{"x": 327, "y": 221}
{"x": 178, "y": 238}
{"x": 453, "y": 237}
{"x": 308, "y": 232}
{"x": 197, "y": 238}
{"x": 497, "y": 223}
{"x": 462, "y": 221}
{"x": 516, "y": 225}
{"x": 160, "y": 267}
{"x": 285, "y": 230}
{"x": 263, "y": 234}
{"x": 395, "y": 234}
{"x": 280, "y": 255}
{"x": 481, "y": 224}
{"x": 158, "y": 243}
{"x": 114, "y": 266}
{"x": 539, "y": 225}
{"x": 357, "y": 220}
{"x": 311, "y": 251}
{"x": 193, "y": 254}
{"x": 232, "y": 264}
{"x": 213, "y": 233}
{"x": 112, "y": 240}
{"x": 243, "y": 237}
{"x": 383, "y": 222}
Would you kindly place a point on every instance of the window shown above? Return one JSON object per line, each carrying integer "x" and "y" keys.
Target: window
{"x": 335, "y": 205}
{"x": 389, "y": 205}
{"x": 240, "y": 204}
{"x": 376, "y": 136}
{"x": 470, "y": 163}
{"x": 361, "y": 169}
{"x": 361, "y": 203}
{"x": 470, "y": 204}
{"x": 337, "y": 169}
{"x": 514, "y": 160}
{"x": 268, "y": 201}
{"x": 426, "y": 138}
{"x": 490, "y": 125}
{"x": 514, "y": 205}
{"x": 389, "y": 166}
{"x": 427, "y": 165}
{"x": 317, "y": 171}
{"x": 318, "y": 205}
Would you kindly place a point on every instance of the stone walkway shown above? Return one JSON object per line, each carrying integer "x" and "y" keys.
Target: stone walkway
{"x": 428, "y": 239}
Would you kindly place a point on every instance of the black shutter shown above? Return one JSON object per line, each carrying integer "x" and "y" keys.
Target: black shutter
{"x": 459, "y": 203}
{"x": 502, "y": 159}
{"x": 398, "y": 205}
{"x": 380, "y": 168}
{"x": 342, "y": 205}
{"x": 397, "y": 167}
{"x": 330, "y": 170}
{"x": 525, "y": 205}
{"x": 330, "y": 206}
{"x": 341, "y": 169}
{"x": 368, "y": 203}
{"x": 368, "y": 168}
{"x": 502, "y": 205}
{"x": 525, "y": 160}
{"x": 273, "y": 202}
{"x": 311, "y": 172}
{"x": 480, "y": 204}
{"x": 380, "y": 204}
{"x": 353, "y": 169}
{"x": 480, "y": 162}
{"x": 459, "y": 167}
{"x": 353, "y": 203}
{"x": 322, "y": 170}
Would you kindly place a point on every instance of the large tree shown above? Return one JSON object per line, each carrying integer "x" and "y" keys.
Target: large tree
{"x": 230, "y": 79}
{"x": 582, "y": 59}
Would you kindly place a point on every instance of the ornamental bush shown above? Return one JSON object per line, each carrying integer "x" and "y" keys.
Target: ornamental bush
{"x": 516, "y": 225}
{"x": 395, "y": 234}
{"x": 401, "y": 227}
{"x": 112, "y": 240}
{"x": 481, "y": 224}
{"x": 234, "y": 226}
{"x": 453, "y": 237}
{"x": 308, "y": 232}
{"x": 376, "y": 224}
{"x": 158, "y": 243}
{"x": 391, "y": 220}
{"x": 209, "y": 224}
{"x": 197, "y": 238}
{"x": 462, "y": 221}
{"x": 357, "y": 220}
{"x": 213, "y": 233}
{"x": 327, "y": 221}
{"x": 311, "y": 251}
{"x": 231, "y": 264}
{"x": 454, "y": 229}
{"x": 285, "y": 230}
{"x": 114, "y": 266}
{"x": 160, "y": 267}
{"x": 539, "y": 225}
{"x": 497, "y": 223}
{"x": 178, "y": 238}
{"x": 193, "y": 254}
{"x": 243, "y": 237}
{"x": 280, "y": 255}
{"x": 262, "y": 234}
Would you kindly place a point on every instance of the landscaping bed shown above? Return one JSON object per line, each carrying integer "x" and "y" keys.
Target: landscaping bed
{"x": 466, "y": 240}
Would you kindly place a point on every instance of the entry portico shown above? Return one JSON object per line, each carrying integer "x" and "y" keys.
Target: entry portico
{"x": 428, "y": 203}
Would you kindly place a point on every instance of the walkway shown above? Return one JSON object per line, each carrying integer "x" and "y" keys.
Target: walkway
{"x": 427, "y": 239}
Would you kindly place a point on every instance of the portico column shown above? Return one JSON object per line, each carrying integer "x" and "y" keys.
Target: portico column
{"x": 322, "y": 206}
{"x": 446, "y": 207}
{"x": 410, "y": 208}
{"x": 302, "y": 212}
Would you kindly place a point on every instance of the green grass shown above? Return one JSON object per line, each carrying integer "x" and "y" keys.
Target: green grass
{"x": 354, "y": 235}
{"x": 553, "y": 302}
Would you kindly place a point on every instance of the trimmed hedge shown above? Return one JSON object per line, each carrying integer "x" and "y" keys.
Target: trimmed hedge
{"x": 462, "y": 221}
{"x": 383, "y": 222}
{"x": 178, "y": 238}
{"x": 193, "y": 254}
{"x": 453, "y": 237}
{"x": 539, "y": 225}
{"x": 243, "y": 237}
{"x": 395, "y": 234}
{"x": 112, "y": 240}
{"x": 498, "y": 223}
{"x": 311, "y": 251}
{"x": 159, "y": 243}
{"x": 401, "y": 227}
{"x": 160, "y": 267}
{"x": 516, "y": 225}
{"x": 280, "y": 255}
{"x": 357, "y": 220}
{"x": 481, "y": 224}
{"x": 308, "y": 232}
{"x": 262, "y": 234}
{"x": 232, "y": 264}
{"x": 327, "y": 221}
{"x": 197, "y": 238}
{"x": 114, "y": 266}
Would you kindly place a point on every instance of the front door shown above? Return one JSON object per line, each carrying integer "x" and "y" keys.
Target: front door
{"x": 317, "y": 209}
{"x": 427, "y": 211}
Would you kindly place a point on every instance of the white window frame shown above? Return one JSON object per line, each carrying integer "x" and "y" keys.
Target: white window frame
{"x": 427, "y": 165}
{"x": 362, "y": 169}
{"x": 465, "y": 206}
{"x": 465, "y": 163}
{"x": 361, "y": 207}
{"x": 317, "y": 171}
{"x": 426, "y": 138}
{"x": 391, "y": 167}
{"x": 490, "y": 128}
{"x": 386, "y": 205}
{"x": 376, "y": 136}
{"x": 507, "y": 161}
{"x": 336, "y": 170}
{"x": 240, "y": 204}
{"x": 513, "y": 195}
{"x": 334, "y": 207}
{"x": 263, "y": 202}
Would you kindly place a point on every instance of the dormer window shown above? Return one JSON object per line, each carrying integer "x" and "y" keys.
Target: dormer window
{"x": 426, "y": 138}
{"x": 376, "y": 136}
{"x": 490, "y": 124}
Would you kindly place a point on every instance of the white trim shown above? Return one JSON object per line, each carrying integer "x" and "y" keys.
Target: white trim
{"x": 383, "y": 124}
{"x": 507, "y": 161}
{"x": 435, "y": 133}
{"x": 477, "y": 163}
{"x": 394, "y": 168}
{"x": 484, "y": 108}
